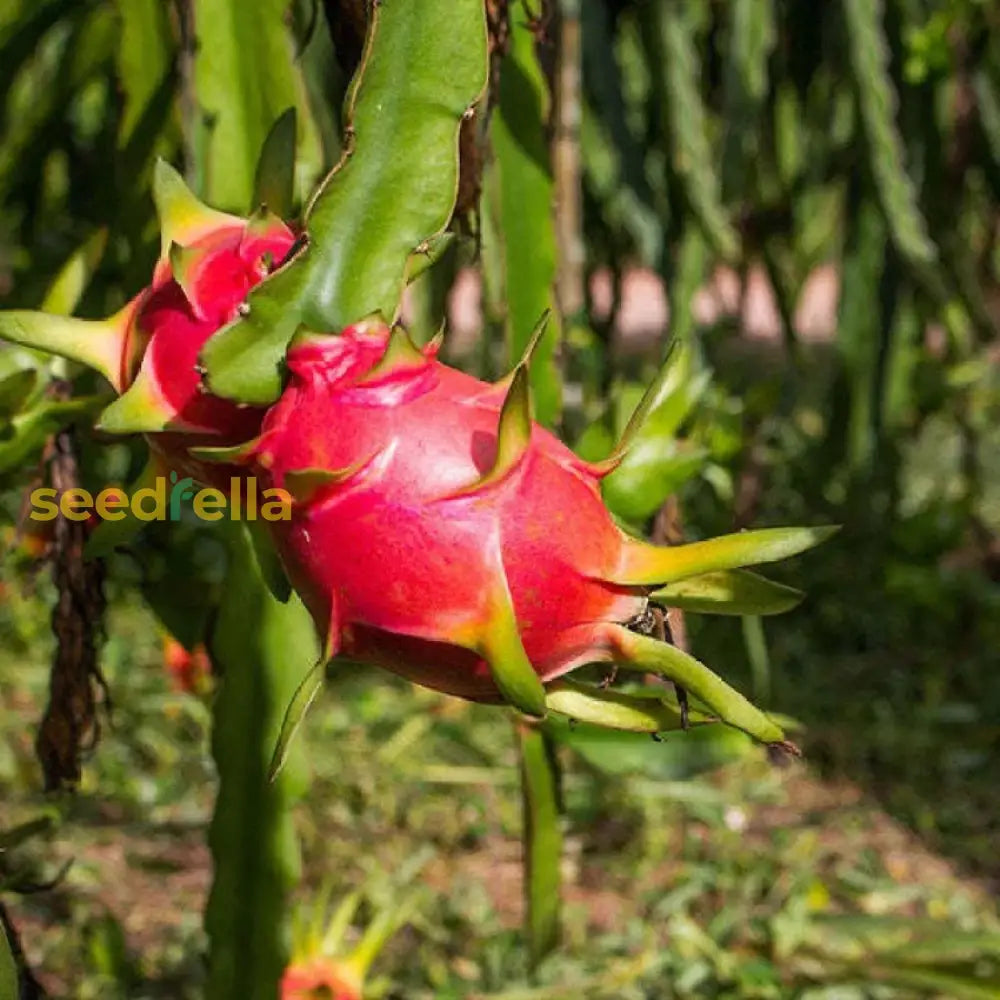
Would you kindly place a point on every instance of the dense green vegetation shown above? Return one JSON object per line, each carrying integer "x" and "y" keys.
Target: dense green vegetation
{"x": 623, "y": 151}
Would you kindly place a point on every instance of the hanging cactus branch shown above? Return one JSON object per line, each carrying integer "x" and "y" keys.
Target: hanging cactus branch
{"x": 399, "y": 100}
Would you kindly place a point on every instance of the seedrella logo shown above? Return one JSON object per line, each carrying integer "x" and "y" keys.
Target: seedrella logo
{"x": 164, "y": 500}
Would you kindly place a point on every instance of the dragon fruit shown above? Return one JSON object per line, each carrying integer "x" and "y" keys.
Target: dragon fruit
{"x": 148, "y": 351}
{"x": 438, "y": 532}
{"x": 189, "y": 670}
{"x": 323, "y": 964}
{"x": 320, "y": 977}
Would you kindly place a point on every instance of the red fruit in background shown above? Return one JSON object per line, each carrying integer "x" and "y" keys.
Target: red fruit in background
{"x": 318, "y": 977}
{"x": 321, "y": 967}
{"x": 176, "y": 319}
{"x": 190, "y": 671}
{"x": 149, "y": 350}
{"x": 30, "y": 538}
{"x": 210, "y": 263}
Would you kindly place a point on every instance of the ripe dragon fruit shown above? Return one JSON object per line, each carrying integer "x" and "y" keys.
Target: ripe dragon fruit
{"x": 189, "y": 670}
{"x": 440, "y": 533}
{"x": 322, "y": 963}
{"x": 148, "y": 351}
{"x": 320, "y": 977}
{"x": 437, "y": 530}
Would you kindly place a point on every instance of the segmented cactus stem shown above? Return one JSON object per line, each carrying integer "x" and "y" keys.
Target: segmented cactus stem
{"x": 264, "y": 645}
{"x": 877, "y": 100}
{"x": 694, "y": 160}
{"x": 752, "y": 37}
{"x": 526, "y": 231}
{"x": 542, "y": 840}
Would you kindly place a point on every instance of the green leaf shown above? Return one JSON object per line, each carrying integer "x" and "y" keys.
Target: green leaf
{"x": 677, "y": 757}
{"x": 688, "y": 276}
{"x": 868, "y": 49}
{"x": 655, "y": 464}
{"x": 499, "y": 643}
{"x": 673, "y": 60}
{"x": 181, "y": 569}
{"x": 640, "y": 652}
{"x": 269, "y": 563}
{"x": 184, "y": 218}
{"x": 859, "y": 330}
{"x": 648, "y": 565}
{"x": 113, "y": 534}
{"x": 295, "y": 714}
{"x": 428, "y": 255}
{"x": 870, "y": 54}
{"x": 649, "y": 711}
{"x": 613, "y": 156}
{"x": 377, "y": 935}
{"x": 82, "y": 53}
{"x": 274, "y": 180}
{"x": 244, "y": 78}
{"x": 141, "y": 408}
{"x": 144, "y": 64}
{"x": 523, "y": 193}
{"x": 988, "y": 106}
{"x": 671, "y": 397}
{"x": 16, "y": 389}
{"x": 99, "y": 344}
{"x": 729, "y": 592}
{"x": 28, "y": 431}
{"x": 393, "y": 190}
{"x": 650, "y": 473}
{"x": 74, "y": 276}
{"x": 513, "y": 434}
{"x": 8, "y": 969}
{"x": 752, "y": 38}
{"x": 20, "y": 39}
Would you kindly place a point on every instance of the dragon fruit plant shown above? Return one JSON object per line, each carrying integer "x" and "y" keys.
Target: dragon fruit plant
{"x": 437, "y": 530}
{"x": 148, "y": 350}
{"x": 190, "y": 671}
{"x": 322, "y": 963}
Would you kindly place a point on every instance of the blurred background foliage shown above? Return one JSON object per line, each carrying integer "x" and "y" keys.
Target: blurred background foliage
{"x": 803, "y": 200}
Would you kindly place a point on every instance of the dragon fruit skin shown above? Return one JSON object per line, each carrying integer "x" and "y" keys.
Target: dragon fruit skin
{"x": 319, "y": 976}
{"x": 177, "y": 319}
{"x": 441, "y": 534}
{"x": 192, "y": 295}
{"x": 447, "y": 564}
{"x": 148, "y": 351}
{"x": 437, "y": 531}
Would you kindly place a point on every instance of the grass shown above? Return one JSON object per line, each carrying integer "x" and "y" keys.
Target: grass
{"x": 742, "y": 881}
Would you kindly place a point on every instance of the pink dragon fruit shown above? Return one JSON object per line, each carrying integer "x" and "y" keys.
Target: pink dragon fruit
{"x": 437, "y": 530}
{"x": 320, "y": 977}
{"x": 439, "y": 533}
{"x": 189, "y": 670}
{"x": 148, "y": 351}
{"x": 322, "y": 963}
